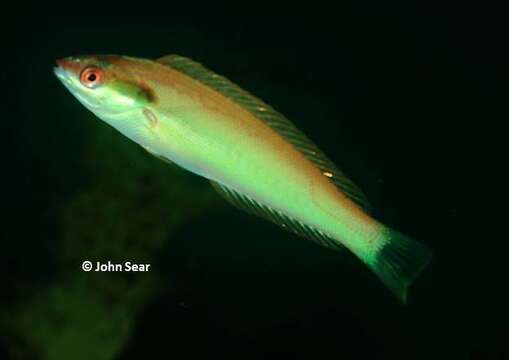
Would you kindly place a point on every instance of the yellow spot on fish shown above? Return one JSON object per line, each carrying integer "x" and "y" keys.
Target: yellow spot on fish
{"x": 328, "y": 174}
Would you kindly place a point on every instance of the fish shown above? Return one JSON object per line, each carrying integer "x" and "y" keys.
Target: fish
{"x": 259, "y": 161}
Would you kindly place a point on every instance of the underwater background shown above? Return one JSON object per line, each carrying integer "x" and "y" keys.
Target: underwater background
{"x": 398, "y": 95}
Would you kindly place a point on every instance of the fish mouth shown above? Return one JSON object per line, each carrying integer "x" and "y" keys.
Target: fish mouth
{"x": 70, "y": 64}
{"x": 61, "y": 74}
{"x": 67, "y": 68}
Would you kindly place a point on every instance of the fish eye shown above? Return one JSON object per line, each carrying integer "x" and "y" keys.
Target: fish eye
{"x": 91, "y": 76}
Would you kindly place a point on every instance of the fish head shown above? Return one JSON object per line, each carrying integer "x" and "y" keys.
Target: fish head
{"x": 107, "y": 84}
{"x": 114, "y": 88}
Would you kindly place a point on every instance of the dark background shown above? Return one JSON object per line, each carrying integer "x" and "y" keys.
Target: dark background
{"x": 404, "y": 98}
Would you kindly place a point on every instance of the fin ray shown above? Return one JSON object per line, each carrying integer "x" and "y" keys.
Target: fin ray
{"x": 399, "y": 262}
{"x": 254, "y": 207}
{"x": 272, "y": 118}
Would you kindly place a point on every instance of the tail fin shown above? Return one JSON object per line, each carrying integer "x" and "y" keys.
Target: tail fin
{"x": 399, "y": 262}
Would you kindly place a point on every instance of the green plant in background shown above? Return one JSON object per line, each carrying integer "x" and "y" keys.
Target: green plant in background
{"x": 127, "y": 211}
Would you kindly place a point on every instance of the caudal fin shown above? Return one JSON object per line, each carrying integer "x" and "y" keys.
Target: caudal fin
{"x": 399, "y": 262}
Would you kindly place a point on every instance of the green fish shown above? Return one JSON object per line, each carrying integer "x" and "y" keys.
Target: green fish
{"x": 254, "y": 157}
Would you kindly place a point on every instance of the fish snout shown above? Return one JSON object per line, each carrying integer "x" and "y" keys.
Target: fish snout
{"x": 70, "y": 65}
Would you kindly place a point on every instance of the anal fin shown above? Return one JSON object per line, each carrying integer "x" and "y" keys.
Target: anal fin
{"x": 254, "y": 207}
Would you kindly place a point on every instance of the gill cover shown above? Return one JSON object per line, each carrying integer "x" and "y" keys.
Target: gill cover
{"x": 130, "y": 93}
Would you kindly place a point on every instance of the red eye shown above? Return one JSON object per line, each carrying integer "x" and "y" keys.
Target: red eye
{"x": 91, "y": 76}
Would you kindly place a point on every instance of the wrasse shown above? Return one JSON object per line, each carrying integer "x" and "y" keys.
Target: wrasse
{"x": 254, "y": 157}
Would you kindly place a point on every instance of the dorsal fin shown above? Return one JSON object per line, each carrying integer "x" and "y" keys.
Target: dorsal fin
{"x": 272, "y": 118}
{"x": 245, "y": 203}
